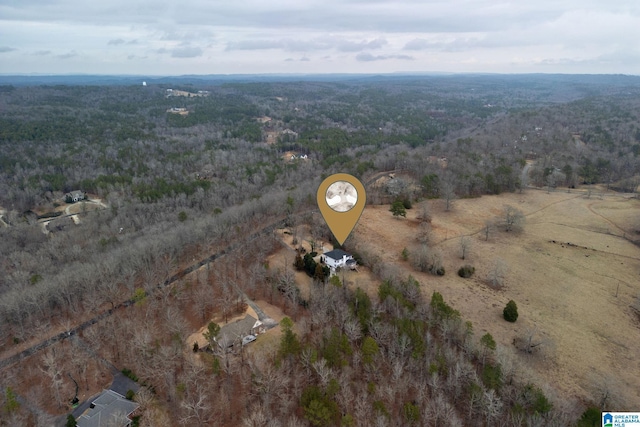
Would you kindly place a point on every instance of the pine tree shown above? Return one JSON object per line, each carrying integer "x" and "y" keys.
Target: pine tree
{"x": 510, "y": 312}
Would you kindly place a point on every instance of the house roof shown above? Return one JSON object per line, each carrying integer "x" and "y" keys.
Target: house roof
{"x": 107, "y": 407}
{"x": 337, "y": 254}
{"x": 237, "y": 329}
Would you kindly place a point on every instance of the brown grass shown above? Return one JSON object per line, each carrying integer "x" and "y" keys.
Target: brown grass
{"x": 567, "y": 291}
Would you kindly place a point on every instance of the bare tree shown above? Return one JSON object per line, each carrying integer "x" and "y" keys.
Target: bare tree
{"x": 447, "y": 191}
{"x": 424, "y": 234}
{"x": 436, "y": 265}
{"x": 424, "y": 212}
{"x": 419, "y": 258}
{"x": 465, "y": 246}
{"x": 489, "y": 226}
{"x": 492, "y": 406}
{"x": 324, "y": 372}
{"x": 203, "y": 300}
{"x": 531, "y": 341}
{"x": 513, "y": 219}
{"x": 195, "y": 407}
{"x": 497, "y": 273}
{"x": 53, "y": 371}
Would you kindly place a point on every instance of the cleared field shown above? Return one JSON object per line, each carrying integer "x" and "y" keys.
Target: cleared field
{"x": 567, "y": 292}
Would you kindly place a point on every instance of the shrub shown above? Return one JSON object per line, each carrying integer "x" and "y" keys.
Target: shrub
{"x": 590, "y": 418}
{"x": 398, "y": 209}
{"x": 535, "y": 400}
{"x": 411, "y": 413}
{"x": 438, "y": 271}
{"x": 466, "y": 271}
{"x": 510, "y": 312}
{"x": 442, "y": 309}
{"x": 492, "y": 376}
{"x": 130, "y": 394}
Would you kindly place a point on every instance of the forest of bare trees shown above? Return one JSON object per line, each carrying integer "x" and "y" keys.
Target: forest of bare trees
{"x": 167, "y": 191}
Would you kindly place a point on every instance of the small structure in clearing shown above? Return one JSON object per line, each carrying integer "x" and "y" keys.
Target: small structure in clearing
{"x": 176, "y": 110}
{"x": 75, "y": 196}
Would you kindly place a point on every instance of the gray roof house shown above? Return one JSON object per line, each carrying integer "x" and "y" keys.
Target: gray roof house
{"x": 109, "y": 409}
{"x": 234, "y": 332}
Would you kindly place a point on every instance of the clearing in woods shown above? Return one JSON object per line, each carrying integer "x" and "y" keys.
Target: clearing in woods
{"x": 566, "y": 291}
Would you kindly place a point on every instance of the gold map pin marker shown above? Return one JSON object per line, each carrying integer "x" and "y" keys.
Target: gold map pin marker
{"x": 341, "y": 199}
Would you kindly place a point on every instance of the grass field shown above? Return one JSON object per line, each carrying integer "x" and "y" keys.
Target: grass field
{"x": 566, "y": 292}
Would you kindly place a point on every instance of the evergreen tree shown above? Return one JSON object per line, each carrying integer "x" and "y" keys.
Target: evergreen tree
{"x": 398, "y": 209}
{"x": 510, "y": 312}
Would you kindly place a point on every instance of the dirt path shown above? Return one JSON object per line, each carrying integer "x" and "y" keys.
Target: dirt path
{"x": 607, "y": 220}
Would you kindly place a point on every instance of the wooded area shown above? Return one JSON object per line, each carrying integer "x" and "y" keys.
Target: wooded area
{"x": 167, "y": 190}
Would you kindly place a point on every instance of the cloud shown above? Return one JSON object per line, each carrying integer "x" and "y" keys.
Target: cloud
{"x": 463, "y": 43}
{"x": 327, "y": 16}
{"x": 289, "y": 45}
{"x": 348, "y": 46}
{"x": 305, "y": 45}
{"x": 305, "y": 59}
{"x": 67, "y": 55}
{"x": 187, "y": 36}
{"x": 568, "y": 34}
{"x": 367, "y": 57}
{"x": 419, "y": 44}
{"x": 186, "y": 52}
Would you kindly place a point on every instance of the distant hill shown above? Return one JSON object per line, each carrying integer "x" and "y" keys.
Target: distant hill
{"x": 613, "y": 80}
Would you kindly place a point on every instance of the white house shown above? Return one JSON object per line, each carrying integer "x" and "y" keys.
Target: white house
{"x": 338, "y": 258}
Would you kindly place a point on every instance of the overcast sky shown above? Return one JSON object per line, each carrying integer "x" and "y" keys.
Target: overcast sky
{"x": 160, "y": 37}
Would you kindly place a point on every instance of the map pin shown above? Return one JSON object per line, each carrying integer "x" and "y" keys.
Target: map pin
{"x": 341, "y": 199}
